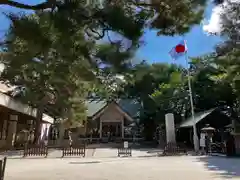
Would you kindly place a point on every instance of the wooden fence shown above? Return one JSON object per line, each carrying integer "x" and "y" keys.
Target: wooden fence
{"x": 79, "y": 150}
{"x": 124, "y": 151}
{"x": 35, "y": 150}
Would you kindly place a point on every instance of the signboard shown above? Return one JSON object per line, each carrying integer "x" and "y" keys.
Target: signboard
{"x": 210, "y": 139}
{"x": 125, "y": 144}
{"x": 202, "y": 136}
{"x": 202, "y": 142}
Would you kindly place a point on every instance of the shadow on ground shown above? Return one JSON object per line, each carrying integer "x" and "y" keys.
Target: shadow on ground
{"x": 223, "y": 166}
{"x": 89, "y": 162}
{"x": 12, "y": 153}
{"x": 112, "y": 145}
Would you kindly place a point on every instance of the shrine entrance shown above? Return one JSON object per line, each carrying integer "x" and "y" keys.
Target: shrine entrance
{"x": 111, "y": 130}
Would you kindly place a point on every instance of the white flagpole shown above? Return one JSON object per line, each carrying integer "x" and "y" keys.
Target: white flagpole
{"x": 195, "y": 136}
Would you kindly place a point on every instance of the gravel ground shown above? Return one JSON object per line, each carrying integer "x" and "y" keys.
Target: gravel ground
{"x": 134, "y": 168}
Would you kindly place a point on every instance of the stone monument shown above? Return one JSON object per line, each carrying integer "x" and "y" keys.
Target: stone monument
{"x": 170, "y": 128}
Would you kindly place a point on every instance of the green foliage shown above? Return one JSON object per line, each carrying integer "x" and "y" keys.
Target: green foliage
{"x": 113, "y": 58}
{"x": 227, "y": 56}
{"x": 177, "y": 17}
{"x": 163, "y": 88}
{"x": 59, "y": 70}
{"x": 168, "y": 17}
{"x": 209, "y": 91}
{"x": 54, "y": 55}
{"x": 52, "y": 74}
{"x": 144, "y": 81}
{"x": 171, "y": 95}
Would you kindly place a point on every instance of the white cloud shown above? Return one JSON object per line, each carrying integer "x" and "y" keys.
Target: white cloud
{"x": 214, "y": 24}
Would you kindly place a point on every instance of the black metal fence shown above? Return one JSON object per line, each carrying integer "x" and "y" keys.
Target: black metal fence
{"x": 79, "y": 150}
{"x": 2, "y": 167}
{"x": 35, "y": 150}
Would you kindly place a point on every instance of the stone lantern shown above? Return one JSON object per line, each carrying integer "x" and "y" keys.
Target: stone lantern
{"x": 208, "y": 130}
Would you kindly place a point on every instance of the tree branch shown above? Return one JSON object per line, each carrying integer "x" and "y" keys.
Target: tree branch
{"x": 53, "y": 3}
{"x": 44, "y": 5}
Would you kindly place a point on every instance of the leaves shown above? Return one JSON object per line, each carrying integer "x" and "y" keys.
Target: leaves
{"x": 126, "y": 17}
{"x": 59, "y": 69}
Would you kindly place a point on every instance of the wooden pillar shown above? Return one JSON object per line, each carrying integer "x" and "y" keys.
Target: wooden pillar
{"x": 100, "y": 130}
{"x": 117, "y": 130}
{"x": 122, "y": 128}
{"x": 12, "y": 130}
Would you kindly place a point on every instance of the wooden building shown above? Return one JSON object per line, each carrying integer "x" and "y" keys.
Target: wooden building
{"x": 111, "y": 118}
{"x": 16, "y": 118}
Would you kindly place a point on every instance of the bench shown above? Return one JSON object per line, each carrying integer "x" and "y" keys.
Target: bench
{"x": 2, "y": 167}
{"x": 35, "y": 150}
{"x": 74, "y": 151}
{"x": 124, "y": 151}
{"x": 173, "y": 149}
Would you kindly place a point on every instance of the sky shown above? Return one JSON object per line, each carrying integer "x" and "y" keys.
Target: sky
{"x": 156, "y": 48}
{"x": 199, "y": 42}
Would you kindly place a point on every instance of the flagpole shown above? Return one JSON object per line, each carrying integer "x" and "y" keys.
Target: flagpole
{"x": 195, "y": 136}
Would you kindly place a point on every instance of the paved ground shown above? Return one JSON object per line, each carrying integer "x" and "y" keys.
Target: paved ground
{"x": 101, "y": 167}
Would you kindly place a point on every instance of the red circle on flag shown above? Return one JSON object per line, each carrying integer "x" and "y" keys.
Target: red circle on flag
{"x": 180, "y": 48}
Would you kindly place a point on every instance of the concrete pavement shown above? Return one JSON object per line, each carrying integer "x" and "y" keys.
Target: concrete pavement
{"x": 148, "y": 168}
{"x": 103, "y": 164}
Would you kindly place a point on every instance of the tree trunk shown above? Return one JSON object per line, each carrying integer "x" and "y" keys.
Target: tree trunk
{"x": 61, "y": 134}
{"x": 149, "y": 129}
{"x": 37, "y": 132}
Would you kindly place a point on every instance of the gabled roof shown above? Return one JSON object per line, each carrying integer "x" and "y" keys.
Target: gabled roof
{"x": 129, "y": 106}
{"x": 94, "y": 106}
{"x": 118, "y": 108}
{"x": 198, "y": 117}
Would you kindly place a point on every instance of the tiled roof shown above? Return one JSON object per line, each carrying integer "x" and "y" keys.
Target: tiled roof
{"x": 93, "y": 106}
{"x": 198, "y": 117}
{"x": 129, "y": 106}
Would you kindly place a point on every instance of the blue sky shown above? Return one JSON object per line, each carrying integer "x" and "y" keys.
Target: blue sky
{"x": 198, "y": 43}
{"x": 156, "y": 48}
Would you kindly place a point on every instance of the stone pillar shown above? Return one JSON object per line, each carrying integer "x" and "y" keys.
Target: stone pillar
{"x": 170, "y": 128}
{"x": 122, "y": 128}
{"x": 100, "y": 129}
{"x": 12, "y": 130}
